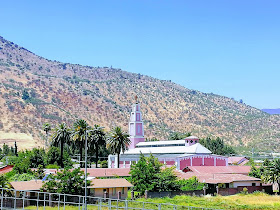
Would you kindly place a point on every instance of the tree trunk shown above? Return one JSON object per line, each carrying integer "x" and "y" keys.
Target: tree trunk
{"x": 81, "y": 153}
{"x": 96, "y": 156}
{"x": 61, "y": 154}
{"x": 118, "y": 160}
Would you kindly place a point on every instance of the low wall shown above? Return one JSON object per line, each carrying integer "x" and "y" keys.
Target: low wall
{"x": 251, "y": 189}
{"x": 173, "y": 193}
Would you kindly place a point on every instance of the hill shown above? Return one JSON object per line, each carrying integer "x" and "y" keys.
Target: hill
{"x": 35, "y": 90}
{"x": 271, "y": 111}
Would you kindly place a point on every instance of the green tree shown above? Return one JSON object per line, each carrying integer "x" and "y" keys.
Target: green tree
{"x": 144, "y": 173}
{"x": 66, "y": 182}
{"x": 190, "y": 184}
{"x": 271, "y": 172}
{"x": 96, "y": 140}
{"x": 53, "y": 156}
{"x": 4, "y": 182}
{"x": 16, "y": 149}
{"x": 37, "y": 157}
{"x": 118, "y": 142}
{"x": 47, "y": 128}
{"x": 167, "y": 180}
{"x": 79, "y": 135}
{"x": 60, "y": 137}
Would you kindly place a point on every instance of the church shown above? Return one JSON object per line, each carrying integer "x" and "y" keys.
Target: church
{"x": 180, "y": 153}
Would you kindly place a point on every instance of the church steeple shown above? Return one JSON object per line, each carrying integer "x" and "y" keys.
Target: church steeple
{"x": 136, "y": 126}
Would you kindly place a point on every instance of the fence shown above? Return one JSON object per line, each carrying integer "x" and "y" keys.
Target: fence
{"x": 15, "y": 199}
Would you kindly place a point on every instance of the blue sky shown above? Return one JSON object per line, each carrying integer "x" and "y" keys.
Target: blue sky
{"x": 229, "y": 47}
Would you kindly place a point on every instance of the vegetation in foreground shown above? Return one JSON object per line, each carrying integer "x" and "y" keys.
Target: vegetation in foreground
{"x": 256, "y": 200}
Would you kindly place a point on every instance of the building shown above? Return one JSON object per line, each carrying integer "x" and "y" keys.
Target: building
{"x": 114, "y": 188}
{"x": 181, "y": 153}
{"x": 241, "y": 161}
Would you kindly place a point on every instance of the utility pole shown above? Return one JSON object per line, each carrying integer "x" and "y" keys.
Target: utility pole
{"x": 86, "y": 170}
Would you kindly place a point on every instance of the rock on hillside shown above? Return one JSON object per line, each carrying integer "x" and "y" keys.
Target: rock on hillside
{"x": 35, "y": 90}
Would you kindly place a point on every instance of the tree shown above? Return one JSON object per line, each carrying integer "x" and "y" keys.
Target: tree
{"x": 47, "y": 128}
{"x": 16, "y": 149}
{"x": 190, "y": 184}
{"x": 167, "y": 180}
{"x": 37, "y": 157}
{"x": 79, "y": 135}
{"x": 118, "y": 142}
{"x": 96, "y": 139}
{"x": 271, "y": 172}
{"x": 66, "y": 182}
{"x": 53, "y": 156}
{"x": 217, "y": 146}
{"x": 60, "y": 137}
{"x": 144, "y": 173}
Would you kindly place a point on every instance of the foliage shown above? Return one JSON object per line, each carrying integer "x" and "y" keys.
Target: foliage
{"x": 4, "y": 182}
{"x": 96, "y": 139}
{"x": 52, "y": 166}
{"x": 190, "y": 184}
{"x": 60, "y": 137}
{"x": 271, "y": 173}
{"x": 103, "y": 164}
{"x": 79, "y": 134}
{"x": 39, "y": 173}
{"x": 118, "y": 141}
{"x": 22, "y": 177}
{"x": 178, "y": 136}
{"x": 66, "y": 181}
{"x": 145, "y": 173}
{"x": 217, "y": 146}
{"x": 167, "y": 180}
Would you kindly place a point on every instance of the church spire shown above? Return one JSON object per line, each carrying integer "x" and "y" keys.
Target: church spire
{"x": 136, "y": 125}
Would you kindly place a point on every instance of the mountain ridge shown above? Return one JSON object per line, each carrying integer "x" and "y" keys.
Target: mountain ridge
{"x": 61, "y": 92}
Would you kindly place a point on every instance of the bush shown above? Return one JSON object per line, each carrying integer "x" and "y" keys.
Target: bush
{"x": 52, "y": 166}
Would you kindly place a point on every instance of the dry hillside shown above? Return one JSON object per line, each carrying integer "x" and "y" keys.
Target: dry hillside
{"x": 62, "y": 92}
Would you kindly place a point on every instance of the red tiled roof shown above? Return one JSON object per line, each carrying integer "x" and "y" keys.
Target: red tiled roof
{"x": 6, "y": 169}
{"x": 108, "y": 183}
{"x": 107, "y": 172}
{"x": 237, "y": 160}
{"x": 216, "y": 178}
{"x": 220, "y": 169}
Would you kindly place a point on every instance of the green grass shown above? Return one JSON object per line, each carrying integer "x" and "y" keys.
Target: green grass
{"x": 239, "y": 201}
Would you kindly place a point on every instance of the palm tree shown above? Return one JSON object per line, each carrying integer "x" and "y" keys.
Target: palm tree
{"x": 271, "y": 173}
{"x": 46, "y": 128}
{"x": 79, "y": 135}
{"x": 60, "y": 137}
{"x": 96, "y": 139}
{"x": 118, "y": 141}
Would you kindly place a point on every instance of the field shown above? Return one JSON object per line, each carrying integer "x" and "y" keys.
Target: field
{"x": 252, "y": 201}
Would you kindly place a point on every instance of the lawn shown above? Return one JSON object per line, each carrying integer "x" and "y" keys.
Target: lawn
{"x": 239, "y": 201}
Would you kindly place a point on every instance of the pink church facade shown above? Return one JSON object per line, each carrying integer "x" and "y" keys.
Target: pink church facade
{"x": 180, "y": 153}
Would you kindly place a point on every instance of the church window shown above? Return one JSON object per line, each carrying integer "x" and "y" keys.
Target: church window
{"x": 191, "y": 141}
{"x": 195, "y": 141}
{"x": 187, "y": 141}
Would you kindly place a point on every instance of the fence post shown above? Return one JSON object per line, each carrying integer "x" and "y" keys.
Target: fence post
{"x": 117, "y": 204}
{"x": 110, "y": 204}
{"x": 2, "y": 198}
{"x": 159, "y": 206}
{"x": 44, "y": 200}
{"x": 64, "y": 202}
{"x": 143, "y": 205}
{"x": 37, "y": 200}
{"x": 15, "y": 200}
{"x": 23, "y": 197}
{"x": 58, "y": 201}
{"x": 79, "y": 202}
{"x": 126, "y": 206}
{"x": 174, "y": 207}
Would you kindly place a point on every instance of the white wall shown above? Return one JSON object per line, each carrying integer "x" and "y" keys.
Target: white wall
{"x": 248, "y": 183}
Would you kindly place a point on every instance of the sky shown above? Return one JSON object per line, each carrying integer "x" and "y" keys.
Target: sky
{"x": 230, "y": 48}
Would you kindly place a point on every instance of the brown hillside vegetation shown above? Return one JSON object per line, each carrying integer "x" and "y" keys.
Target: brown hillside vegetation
{"x": 61, "y": 92}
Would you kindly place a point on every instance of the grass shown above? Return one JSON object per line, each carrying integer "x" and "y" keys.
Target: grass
{"x": 252, "y": 201}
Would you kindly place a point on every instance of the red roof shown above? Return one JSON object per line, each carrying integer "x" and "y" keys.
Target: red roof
{"x": 216, "y": 178}
{"x": 237, "y": 160}
{"x": 6, "y": 169}
{"x": 220, "y": 169}
{"x": 107, "y": 172}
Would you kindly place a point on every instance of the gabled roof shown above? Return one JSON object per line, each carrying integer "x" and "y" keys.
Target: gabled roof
{"x": 237, "y": 160}
{"x": 220, "y": 169}
{"x": 194, "y": 149}
{"x": 217, "y": 178}
{"x": 27, "y": 185}
{"x": 109, "y": 183}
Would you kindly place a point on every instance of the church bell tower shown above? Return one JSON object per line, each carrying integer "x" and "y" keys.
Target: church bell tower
{"x": 136, "y": 126}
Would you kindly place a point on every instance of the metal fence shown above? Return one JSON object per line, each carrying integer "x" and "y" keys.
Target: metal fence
{"x": 15, "y": 199}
